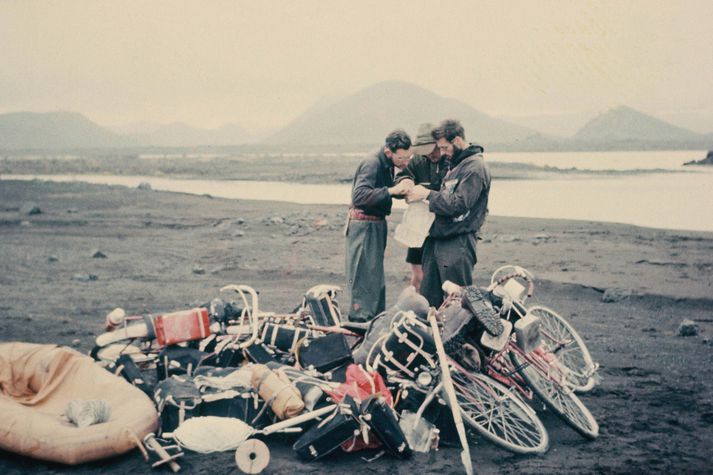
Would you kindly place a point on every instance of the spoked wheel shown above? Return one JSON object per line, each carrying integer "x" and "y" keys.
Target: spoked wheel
{"x": 560, "y": 338}
{"x": 498, "y": 414}
{"x": 560, "y": 398}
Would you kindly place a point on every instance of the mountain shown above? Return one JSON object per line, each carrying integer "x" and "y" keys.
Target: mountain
{"x": 367, "y": 116}
{"x": 180, "y": 134}
{"x": 51, "y": 130}
{"x": 624, "y": 124}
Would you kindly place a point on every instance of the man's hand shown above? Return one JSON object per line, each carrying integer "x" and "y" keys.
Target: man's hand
{"x": 418, "y": 193}
{"x": 401, "y": 188}
{"x": 407, "y": 183}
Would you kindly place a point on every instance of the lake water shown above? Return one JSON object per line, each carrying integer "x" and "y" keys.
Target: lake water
{"x": 598, "y": 161}
{"x": 675, "y": 198}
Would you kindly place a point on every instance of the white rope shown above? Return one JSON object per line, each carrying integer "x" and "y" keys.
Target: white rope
{"x": 212, "y": 434}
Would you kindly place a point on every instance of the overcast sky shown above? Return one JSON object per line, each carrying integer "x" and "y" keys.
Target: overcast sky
{"x": 262, "y": 63}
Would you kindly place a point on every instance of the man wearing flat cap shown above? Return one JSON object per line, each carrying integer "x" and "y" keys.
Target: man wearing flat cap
{"x": 427, "y": 167}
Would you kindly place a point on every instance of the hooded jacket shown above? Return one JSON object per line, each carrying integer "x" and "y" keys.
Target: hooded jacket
{"x": 461, "y": 204}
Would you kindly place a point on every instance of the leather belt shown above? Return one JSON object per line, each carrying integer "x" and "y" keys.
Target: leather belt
{"x": 359, "y": 215}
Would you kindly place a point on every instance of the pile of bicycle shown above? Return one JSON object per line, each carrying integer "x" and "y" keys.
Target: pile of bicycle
{"x": 227, "y": 374}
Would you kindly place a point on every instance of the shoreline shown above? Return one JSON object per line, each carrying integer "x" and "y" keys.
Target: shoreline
{"x": 316, "y": 194}
{"x": 168, "y": 251}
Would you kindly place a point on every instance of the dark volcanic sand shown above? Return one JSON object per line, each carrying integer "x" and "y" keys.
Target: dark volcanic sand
{"x": 654, "y": 403}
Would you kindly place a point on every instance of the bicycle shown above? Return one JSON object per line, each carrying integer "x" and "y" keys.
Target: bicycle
{"x": 487, "y": 406}
{"x": 558, "y": 334}
{"x": 521, "y": 360}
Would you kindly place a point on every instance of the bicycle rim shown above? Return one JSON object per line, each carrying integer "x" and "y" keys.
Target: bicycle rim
{"x": 499, "y": 415}
{"x": 558, "y": 334}
{"x": 561, "y": 400}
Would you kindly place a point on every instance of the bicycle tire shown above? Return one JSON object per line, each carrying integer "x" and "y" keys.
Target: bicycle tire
{"x": 571, "y": 351}
{"x": 500, "y": 416}
{"x": 560, "y": 399}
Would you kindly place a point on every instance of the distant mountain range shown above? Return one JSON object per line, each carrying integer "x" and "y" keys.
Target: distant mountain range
{"x": 625, "y": 123}
{"x": 179, "y": 134}
{"x": 356, "y": 122}
{"x": 54, "y": 130}
{"x": 367, "y": 116}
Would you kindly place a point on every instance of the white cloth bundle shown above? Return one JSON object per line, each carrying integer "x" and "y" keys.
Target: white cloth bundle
{"x": 212, "y": 434}
{"x": 85, "y": 413}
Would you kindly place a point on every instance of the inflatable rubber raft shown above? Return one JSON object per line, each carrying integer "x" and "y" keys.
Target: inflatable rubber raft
{"x": 36, "y": 384}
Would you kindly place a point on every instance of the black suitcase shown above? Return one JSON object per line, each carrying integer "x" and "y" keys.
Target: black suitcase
{"x": 325, "y": 353}
{"x": 260, "y": 354}
{"x": 322, "y": 306}
{"x": 382, "y": 421}
{"x": 245, "y": 405}
{"x": 177, "y": 399}
{"x": 283, "y": 337}
{"x": 327, "y": 435}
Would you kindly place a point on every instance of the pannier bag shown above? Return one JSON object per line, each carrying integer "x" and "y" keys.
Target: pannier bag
{"x": 322, "y": 306}
{"x": 325, "y": 353}
{"x": 326, "y": 436}
{"x": 407, "y": 347}
{"x": 177, "y": 327}
{"x": 228, "y": 392}
{"x": 283, "y": 337}
{"x": 177, "y": 360}
{"x": 381, "y": 419}
{"x": 129, "y": 370}
{"x": 275, "y": 388}
{"x": 411, "y": 400}
{"x": 177, "y": 399}
{"x": 223, "y": 353}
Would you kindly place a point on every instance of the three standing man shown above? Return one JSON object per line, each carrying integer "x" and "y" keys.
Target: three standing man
{"x": 455, "y": 180}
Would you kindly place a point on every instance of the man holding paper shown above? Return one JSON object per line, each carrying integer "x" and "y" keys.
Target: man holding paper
{"x": 427, "y": 167}
{"x": 460, "y": 205}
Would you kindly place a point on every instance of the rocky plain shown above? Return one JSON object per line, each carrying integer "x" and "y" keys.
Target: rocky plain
{"x": 71, "y": 252}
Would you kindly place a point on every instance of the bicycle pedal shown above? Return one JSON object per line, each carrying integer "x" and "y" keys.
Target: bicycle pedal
{"x": 473, "y": 300}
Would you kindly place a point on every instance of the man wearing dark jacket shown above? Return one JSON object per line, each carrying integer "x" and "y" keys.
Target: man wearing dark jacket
{"x": 461, "y": 206}
{"x": 366, "y": 228}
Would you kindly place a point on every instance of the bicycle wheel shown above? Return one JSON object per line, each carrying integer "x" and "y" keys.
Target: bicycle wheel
{"x": 560, "y": 337}
{"x": 498, "y": 414}
{"x": 560, "y": 399}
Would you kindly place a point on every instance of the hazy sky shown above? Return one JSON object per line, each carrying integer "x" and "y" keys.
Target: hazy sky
{"x": 262, "y": 63}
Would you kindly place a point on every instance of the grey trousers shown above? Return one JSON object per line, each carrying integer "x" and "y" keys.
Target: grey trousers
{"x": 445, "y": 259}
{"x": 366, "y": 241}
